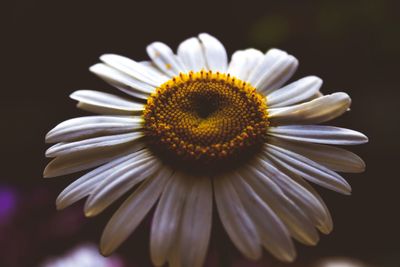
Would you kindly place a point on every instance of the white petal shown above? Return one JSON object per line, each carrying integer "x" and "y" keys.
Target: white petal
{"x": 167, "y": 217}
{"x": 235, "y": 219}
{"x": 273, "y": 70}
{"x": 308, "y": 169}
{"x": 273, "y": 233}
{"x": 315, "y": 111}
{"x": 303, "y": 198}
{"x": 196, "y": 221}
{"x": 142, "y": 166}
{"x": 334, "y": 158}
{"x": 91, "y": 126}
{"x": 295, "y": 92}
{"x": 89, "y": 158}
{"x": 104, "y": 103}
{"x": 265, "y": 63}
{"x": 298, "y": 224}
{"x": 214, "y": 53}
{"x": 190, "y": 52}
{"x": 133, "y": 69}
{"x": 132, "y": 212}
{"x": 243, "y": 63}
{"x": 85, "y": 185}
{"x": 150, "y": 65}
{"x": 122, "y": 81}
{"x": 62, "y": 149}
{"x": 319, "y": 134}
{"x": 165, "y": 59}
{"x": 327, "y": 226}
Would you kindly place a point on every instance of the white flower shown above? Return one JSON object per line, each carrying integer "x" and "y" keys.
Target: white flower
{"x": 340, "y": 262}
{"x": 198, "y": 128}
{"x": 83, "y": 256}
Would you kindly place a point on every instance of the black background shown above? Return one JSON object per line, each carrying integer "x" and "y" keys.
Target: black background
{"x": 353, "y": 46}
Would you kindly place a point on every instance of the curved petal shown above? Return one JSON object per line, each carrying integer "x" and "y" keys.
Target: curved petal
{"x": 273, "y": 233}
{"x": 334, "y": 158}
{"x": 243, "y": 63}
{"x": 133, "y": 69}
{"x": 167, "y": 217}
{"x": 298, "y": 224}
{"x": 295, "y": 92}
{"x": 319, "y": 110}
{"x": 92, "y": 126}
{"x": 85, "y": 185}
{"x": 273, "y": 70}
{"x": 165, "y": 59}
{"x": 237, "y": 223}
{"x": 119, "y": 182}
{"x": 308, "y": 169}
{"x": 104, "y": 103}
{"x": 89, "y": 158}
{"x": 149, "y": 64}
{"x": 327, "y": 226}
{"x": 122, "y": 81}
{"x": 303, "y": 198}
{"x": 132, "y": 211}
{"x": 190, "y": 52}
{"x": 196, "y": 221}
{"x": 62, "y": 149}
{"x": 214, "y": 53}
{"x": 319, "y": 134}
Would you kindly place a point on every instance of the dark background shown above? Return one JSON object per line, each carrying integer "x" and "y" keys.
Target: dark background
{"x": 353, "y": 46}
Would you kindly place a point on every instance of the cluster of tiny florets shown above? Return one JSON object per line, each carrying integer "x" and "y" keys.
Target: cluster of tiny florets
{"x": 205, "y": 116}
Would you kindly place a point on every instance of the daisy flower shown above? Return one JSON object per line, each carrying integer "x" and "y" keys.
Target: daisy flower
{"x": 198, "y": 129}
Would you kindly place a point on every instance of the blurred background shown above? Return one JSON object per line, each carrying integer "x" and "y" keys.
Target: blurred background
{"x": 353, "y": 46}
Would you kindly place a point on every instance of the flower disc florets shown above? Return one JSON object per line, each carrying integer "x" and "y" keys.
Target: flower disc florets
{"x": 205, "y": 117}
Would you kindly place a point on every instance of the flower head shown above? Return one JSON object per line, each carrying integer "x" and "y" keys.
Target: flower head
{"x": 198, "y": 128}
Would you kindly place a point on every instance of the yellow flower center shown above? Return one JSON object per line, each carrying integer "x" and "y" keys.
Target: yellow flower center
{"x": 205, "y": 118}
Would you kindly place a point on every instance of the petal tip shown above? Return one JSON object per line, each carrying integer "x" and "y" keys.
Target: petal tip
{"x": 88, "y": 209}
{"x": 289, "y": 257}
{"x": 89, "y": 213}
{"x": 326, "y": 229}
{"x": 203, "y": 34}
{"x": 96, "y": 68}
{"x": 60, "y": 206}
{"x": 74, "y": 95}
{"x": 314, "y": 79}
{"x": 48, "y": 138}
{"x": 47, "y": 173}
{"x": 104, "y": 251}
{"x": 363, "y": 138}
